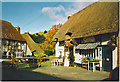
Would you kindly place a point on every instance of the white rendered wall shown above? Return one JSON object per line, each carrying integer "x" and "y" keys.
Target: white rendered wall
{"x": 61, "y": 49}
{"x": 114, "y": 58}
{"x": 78, "y": 58}
{"x": 58, "y": 50}
{"x": 28, "y": 51}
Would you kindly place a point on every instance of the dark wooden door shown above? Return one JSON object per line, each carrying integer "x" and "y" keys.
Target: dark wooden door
{"x": 106, "y": 58}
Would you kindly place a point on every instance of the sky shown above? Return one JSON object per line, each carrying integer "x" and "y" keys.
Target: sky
{"x": 36, "y": 17}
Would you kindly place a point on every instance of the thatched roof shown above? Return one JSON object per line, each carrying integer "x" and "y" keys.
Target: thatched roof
{"x": 31, "y": 44}
{"x": 9, "y": 32}
{"x": 98, "y": 18}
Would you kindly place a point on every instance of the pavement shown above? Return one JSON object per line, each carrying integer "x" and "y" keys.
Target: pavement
{"x": 10, "y": 73}
{"x": 73, "y": 73}
{"x": 57, "y": 73}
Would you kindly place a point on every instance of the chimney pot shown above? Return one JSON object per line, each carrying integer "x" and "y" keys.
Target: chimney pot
{"x": 69, "y": 16}
{"x": 18, "y": 29}
{"x": 27, "y": 32}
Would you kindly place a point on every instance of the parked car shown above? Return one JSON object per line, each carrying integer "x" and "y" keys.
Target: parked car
{"x": 114, "y": 74}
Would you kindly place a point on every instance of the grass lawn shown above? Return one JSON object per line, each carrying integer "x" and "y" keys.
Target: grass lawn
{"x": 21, "y": 65}
{"x": 47, "y": 63}
{"x": 26, "y": 65}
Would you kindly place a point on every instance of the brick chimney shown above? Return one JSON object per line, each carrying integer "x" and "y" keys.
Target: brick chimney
{"x": 27, "y": 32}
{"x": 18, "y": 29}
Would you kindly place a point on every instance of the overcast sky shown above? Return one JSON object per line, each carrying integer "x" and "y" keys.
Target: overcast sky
{"x": 36, "y": 17}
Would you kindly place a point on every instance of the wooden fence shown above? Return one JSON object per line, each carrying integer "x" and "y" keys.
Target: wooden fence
{"x": 33, "y": 59}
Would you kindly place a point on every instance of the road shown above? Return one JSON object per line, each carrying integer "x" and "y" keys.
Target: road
{"x": 10, "y": 73}
{"x": 52, "y": 73}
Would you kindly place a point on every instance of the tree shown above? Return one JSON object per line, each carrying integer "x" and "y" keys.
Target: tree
{"x": 36, "y": 33}
{"x": 56, "y": 27}
{"x": 38, "y": 38}
{"x": 48, "y": 44}
{"x": 48, "y": 52}
{"x": 45, "y": 31}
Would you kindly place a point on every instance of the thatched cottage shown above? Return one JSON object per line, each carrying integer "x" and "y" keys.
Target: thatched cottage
{"x": 11, "y": 40}
{"x": 93, "y": 32}
{"x": 13, "y": 43}
{"x": 34, "y": 49}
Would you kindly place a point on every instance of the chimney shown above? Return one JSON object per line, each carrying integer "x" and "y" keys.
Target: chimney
{"x": 27, "y": 32}
{"x": 18, "y": 29}
{"x": 69, "y": 16}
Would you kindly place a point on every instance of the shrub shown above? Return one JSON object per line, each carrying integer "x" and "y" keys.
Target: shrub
{"x": 48, "y": 52}
{"x": 38, "y": 38}
{"x": 45, "y": 31}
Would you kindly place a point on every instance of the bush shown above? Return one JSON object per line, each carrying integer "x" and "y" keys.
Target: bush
{"x": 48, "y": 52}
{"x": 38, "y": 38}
{"x": 45, "y": 31}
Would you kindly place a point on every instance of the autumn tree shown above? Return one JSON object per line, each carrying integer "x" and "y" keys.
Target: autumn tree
{"x": 48, "y": 44}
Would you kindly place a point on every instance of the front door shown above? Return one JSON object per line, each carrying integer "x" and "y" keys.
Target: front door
{"x": 106, "y": 58}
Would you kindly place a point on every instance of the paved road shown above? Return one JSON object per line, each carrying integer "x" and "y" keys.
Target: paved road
{"x": 12, "y": 74}
{"x": 52, "y": 73}
{"x": 73, "y": 73}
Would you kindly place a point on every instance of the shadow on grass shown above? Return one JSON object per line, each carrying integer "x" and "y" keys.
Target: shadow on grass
{"x": 10, "y": 73}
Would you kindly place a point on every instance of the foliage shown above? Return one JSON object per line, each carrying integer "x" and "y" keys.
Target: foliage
{"x": 40, "y": 55}
{"x": 55, "y": 27}
{"x": 71, "y": 56}
{"x": 45, "y": 31}
{"x": 38, "y": 38}
{"x": 48, "y": 52}
{"x": 48, "y": 44}
{"x": 46, "y": 63}
{"x": 44, "y": 39}
{"x": 22, "y": 66}
{"x": 36, "y": 33}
